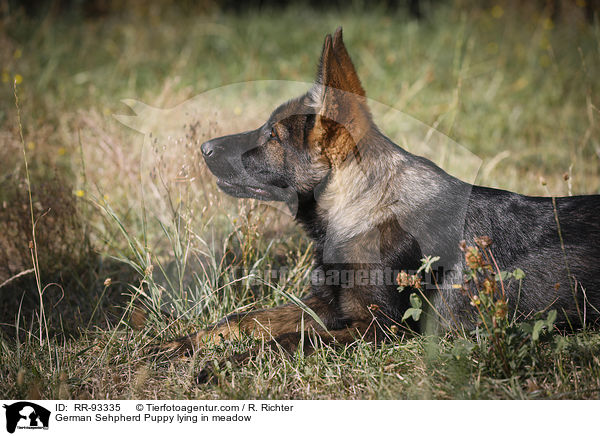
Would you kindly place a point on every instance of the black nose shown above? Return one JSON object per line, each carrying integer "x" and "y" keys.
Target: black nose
{"x": 207, "y": 149}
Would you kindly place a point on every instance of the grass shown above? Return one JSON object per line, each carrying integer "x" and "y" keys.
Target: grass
{"x": 116, "y": 269}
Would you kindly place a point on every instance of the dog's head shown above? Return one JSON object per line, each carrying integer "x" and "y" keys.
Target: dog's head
{"x": 303, "y": 139}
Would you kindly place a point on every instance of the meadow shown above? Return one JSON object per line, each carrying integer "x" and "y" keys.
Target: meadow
{"x": 94, "y": 269}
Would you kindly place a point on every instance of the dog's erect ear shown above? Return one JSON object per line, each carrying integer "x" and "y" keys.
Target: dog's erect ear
{"x": 343, "y": 115}
{"x": 336, "y": 70}
{"x": 324, "y": 74}
{"x": 351, "y": 80}
{"x": 327, "y": 57}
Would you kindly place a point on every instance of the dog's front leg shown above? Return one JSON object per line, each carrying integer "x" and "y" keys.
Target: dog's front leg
{"x": 267, "y": 323}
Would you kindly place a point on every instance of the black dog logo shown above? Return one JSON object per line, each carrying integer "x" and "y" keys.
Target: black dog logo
{"x": 30, "y": 416}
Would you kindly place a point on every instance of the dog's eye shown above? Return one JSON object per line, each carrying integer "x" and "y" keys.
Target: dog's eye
{"x": 273, "y": 134}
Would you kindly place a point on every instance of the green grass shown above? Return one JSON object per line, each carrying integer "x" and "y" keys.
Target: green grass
{"x": 514, "y": 88}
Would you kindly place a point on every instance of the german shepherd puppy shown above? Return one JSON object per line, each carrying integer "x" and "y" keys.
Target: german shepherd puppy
{"x": 373, "y": 209}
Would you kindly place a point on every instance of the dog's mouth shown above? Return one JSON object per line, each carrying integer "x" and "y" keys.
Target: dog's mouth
{"x": 244, "y": 191}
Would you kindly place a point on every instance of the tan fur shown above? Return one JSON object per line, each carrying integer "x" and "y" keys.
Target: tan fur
{"x": 351, "y": 77}
{"x": 348, "y": 195}
{"x": 262, "y": 324}
{"x": 336, "y": 141}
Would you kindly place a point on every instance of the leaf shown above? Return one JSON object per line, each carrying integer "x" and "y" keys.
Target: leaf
{"x": 415, "y": 301}
{"x": 502, "y": 275}
{"x": 412, "y": 312}
{"x": 518, "y": 274}
{"x": 550, "y": 319}
{"x": 537, "y": 329}
{"x": 525, "y": 327}
{"x": 426, "y": 263}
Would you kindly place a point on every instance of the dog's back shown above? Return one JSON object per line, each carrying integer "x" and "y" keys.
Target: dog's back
{"x": 555, "y": 241}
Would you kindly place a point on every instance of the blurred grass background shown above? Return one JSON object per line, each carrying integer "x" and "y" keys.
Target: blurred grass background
{"x": 516, "y": 84}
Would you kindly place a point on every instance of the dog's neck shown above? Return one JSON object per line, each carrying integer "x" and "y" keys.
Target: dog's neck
{"x": 383, "y": 183}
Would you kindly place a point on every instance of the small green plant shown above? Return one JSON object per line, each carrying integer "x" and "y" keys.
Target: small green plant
{"x": 414, "y": 281}
{"x": 414, "y": 311}
{"x": 501, "y": 345}
{"x": 505, "y": 346}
